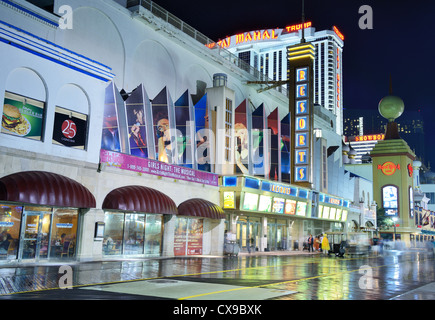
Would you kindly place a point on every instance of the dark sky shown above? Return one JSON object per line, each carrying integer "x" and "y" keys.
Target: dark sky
{"x": 401, "y": 43}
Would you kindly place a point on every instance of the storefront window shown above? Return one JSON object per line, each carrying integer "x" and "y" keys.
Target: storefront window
{"x": 63, "y": 232}
{"x": 10, "y": 221}
{"x": 113, "y": 233}
{"x": 134, "y": 231}
{"x": 153, "y": 234}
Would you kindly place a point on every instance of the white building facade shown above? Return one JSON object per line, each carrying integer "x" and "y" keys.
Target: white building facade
{"x": 75, "y": 172}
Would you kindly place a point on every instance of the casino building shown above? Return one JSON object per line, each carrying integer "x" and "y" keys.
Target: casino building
{"x": 135, "y": 146}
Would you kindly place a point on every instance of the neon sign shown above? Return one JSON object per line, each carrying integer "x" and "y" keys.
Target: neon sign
{"x": 370, "y": 137}
{"x": 339, "y": 34}
{"x": 302, "y": 125}
{"x": 258, "y": 35}
{"x": 388, "y": 168}
{"x": 297, "y": 27}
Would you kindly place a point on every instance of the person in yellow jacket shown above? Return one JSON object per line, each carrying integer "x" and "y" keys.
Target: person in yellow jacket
{"x": 325, "y": 244}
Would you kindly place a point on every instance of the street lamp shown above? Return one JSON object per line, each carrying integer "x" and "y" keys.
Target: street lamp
{"x": 394, "y": 223}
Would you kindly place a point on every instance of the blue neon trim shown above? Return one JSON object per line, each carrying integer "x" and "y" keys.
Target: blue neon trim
{"x": 52, "y": 59}
{"x": 52, "y": 43}
{"x": 73, "y": 60}
{"x": 30, "y": 12}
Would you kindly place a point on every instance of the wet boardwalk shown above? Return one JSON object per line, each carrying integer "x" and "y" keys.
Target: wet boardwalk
{"x": 395, "y": 275}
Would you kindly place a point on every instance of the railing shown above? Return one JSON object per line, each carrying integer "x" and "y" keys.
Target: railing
{"x": 168, "y": 17}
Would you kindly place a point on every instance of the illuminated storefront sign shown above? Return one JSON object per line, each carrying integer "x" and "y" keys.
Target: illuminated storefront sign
{"x": 229, "y": 200}
{"x": 370, "y": 137}
{"x": 388, "y": 168}
{"x": 302, "y": 125}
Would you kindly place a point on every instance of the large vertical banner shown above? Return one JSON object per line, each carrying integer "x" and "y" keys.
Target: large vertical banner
{"x": 274, "y": 125}
{"x": 184, "y": 120}
{"x": 203, "y": 135}
{"x": 194, "y": 236}
{"x": 163, "y": 124}
{"x": 137, "y": 108}
{"x": 285, "y": 149}
{"x": 180, "y": 236}
{"x": 301, "y": 59}
{"x": 111, "y": 134}
{"x": 259, "y": 142}
{"x": 302, "y": 126}
{"x": 241, "y": 132}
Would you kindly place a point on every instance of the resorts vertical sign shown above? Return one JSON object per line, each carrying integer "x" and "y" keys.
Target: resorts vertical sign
{"x": 302, "y": 126}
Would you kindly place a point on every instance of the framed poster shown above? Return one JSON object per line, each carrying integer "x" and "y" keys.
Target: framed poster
{"x": 22, "y": 116}
{"x": 70, "y": 128}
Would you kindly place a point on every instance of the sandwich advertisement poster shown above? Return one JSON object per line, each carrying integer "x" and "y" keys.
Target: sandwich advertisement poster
{"x": 22, "y": 116}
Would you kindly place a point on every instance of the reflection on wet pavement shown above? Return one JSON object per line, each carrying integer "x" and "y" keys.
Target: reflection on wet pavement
{"x": 293, "y": 277}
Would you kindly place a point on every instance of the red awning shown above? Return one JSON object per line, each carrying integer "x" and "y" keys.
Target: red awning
{"x": 200, "y": 208}
{"x": 45, "y": 188}
{"x": 139, "y": 199}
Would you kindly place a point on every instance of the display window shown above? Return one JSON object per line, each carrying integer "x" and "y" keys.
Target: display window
{"x": 278, "y": 205}
{"x": 290, "y": 206}
{"x": 301, "y": 209}
{"x": 32, "y": 232}
{"x": 132, "y": 234}
{"x": 10, "y": 221}
{"x": 332, "y": 212}
{"x": 265, "y": 203}
{"x": 250, "y": 201}
{"x": 326, "y": 212}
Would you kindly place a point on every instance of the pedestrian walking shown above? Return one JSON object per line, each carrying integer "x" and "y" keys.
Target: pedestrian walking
{"x": 317, "y": 243}
{"x": 310, "y": 243}
{"x": 325, "y": 244}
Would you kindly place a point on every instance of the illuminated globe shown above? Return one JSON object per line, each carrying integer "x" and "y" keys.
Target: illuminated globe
{"x": 391, "y": 107}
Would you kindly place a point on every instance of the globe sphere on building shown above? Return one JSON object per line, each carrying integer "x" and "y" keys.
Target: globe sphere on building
{"x": 391, "y": 107}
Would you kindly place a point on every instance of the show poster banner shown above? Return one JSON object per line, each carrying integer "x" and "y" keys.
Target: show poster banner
{"x": 22, "y": 116}
{"x": 149, "y": 166}
{"x": 180, "y": 236}
{"x": 194, "y": 237}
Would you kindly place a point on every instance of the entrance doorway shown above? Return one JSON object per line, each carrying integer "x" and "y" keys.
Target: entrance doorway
{"x": 35, "y": 235}
{"x": 248, "y": 233}
{"x": 48, "y": 233}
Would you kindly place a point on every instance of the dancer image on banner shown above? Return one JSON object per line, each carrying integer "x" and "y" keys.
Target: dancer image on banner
{"x": 164, "y": 147}
{"x": 137, "y": 132}
{"x": 242, "y": 148}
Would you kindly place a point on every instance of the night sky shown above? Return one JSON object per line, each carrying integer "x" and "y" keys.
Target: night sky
{"x": 401, "y": 44}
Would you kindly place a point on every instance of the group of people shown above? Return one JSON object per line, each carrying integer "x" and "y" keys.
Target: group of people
{"x": 319, "y": 243}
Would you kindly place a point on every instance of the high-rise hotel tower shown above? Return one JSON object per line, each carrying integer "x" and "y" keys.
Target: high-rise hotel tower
{"x": 266, "y": 50}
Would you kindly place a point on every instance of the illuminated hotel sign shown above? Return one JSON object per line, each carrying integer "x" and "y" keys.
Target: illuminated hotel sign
{"x": 302, "y": 125}
{"x": 258, "y": 35}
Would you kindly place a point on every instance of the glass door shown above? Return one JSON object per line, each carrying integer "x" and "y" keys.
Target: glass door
{"x": 35, "y": 234}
